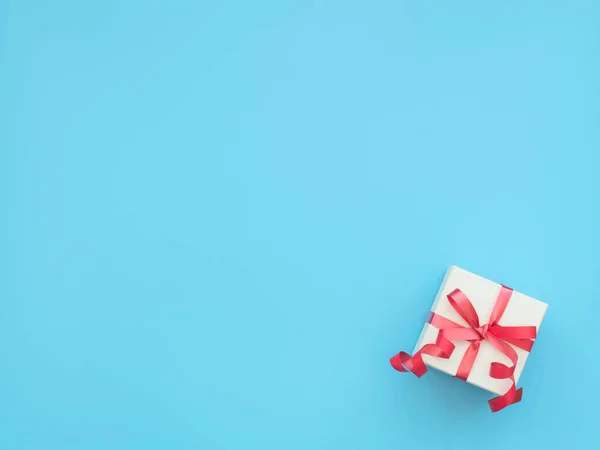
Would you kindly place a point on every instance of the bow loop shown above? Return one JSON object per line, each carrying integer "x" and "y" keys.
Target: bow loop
{"x": 464, "y": 307}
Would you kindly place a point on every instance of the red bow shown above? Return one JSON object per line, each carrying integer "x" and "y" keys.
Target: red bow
{"x": 495, "y": 334}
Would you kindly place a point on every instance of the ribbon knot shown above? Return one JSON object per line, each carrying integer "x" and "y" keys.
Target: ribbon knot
{"x": 497, "y": 335}
{"x": 482, "y": 331}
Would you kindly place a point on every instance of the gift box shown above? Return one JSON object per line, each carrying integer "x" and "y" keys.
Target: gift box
{"x": 479, "y": 331}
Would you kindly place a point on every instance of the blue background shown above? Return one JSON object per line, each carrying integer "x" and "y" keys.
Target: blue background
{"x": 220, "y": 219}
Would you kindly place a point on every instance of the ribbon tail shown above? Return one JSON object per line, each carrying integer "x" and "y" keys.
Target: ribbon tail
{"x": 403, "y": 362}
{"x": 441, "y": 323}
{"x": 524, "y": 344}
{"x": 513, "y": 396}
{"x": 502, "y": 371}
{"x": 466, "y": 364}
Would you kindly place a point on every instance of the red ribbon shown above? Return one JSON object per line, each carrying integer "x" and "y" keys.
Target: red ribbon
{"x": 497, "y": 335}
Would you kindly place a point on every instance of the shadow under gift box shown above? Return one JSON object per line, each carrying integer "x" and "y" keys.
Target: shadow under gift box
{"x": 522, "y": 310}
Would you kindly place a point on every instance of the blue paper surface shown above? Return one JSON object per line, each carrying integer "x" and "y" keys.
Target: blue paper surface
{"x": 220, "y": 219}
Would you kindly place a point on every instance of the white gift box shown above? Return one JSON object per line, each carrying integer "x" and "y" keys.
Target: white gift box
{"x": 522, "y": 310}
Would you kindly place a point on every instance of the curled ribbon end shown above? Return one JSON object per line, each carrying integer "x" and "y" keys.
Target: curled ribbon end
{"x": 403, "y": 362}
{"x": 510, "y": 398}
{"x": 396, "y": 364}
